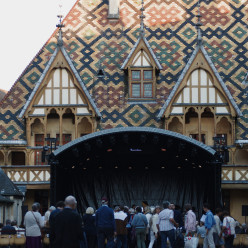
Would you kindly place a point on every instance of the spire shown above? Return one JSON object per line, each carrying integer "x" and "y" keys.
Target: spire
{"x": 198, "y": 25}
{"x": 142, "y": 17}
{"x": 60, "y": 26}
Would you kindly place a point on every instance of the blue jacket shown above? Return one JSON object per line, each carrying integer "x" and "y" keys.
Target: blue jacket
{"x": 105, "y": 218}
{"x": 139, "y": 221}
{"x": 209, "y": 221}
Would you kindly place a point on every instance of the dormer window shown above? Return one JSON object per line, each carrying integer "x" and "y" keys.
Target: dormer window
{"x": 141, "y": 66}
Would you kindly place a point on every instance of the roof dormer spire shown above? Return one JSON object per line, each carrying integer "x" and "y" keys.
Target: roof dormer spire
{"x": 198, "y": 25}
{"x": 60, "y": 26}
{"x": 142, "y": 17}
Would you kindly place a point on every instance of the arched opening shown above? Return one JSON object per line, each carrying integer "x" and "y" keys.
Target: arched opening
{"x": 241, "y": 157}
{"x": 17, "y": 158}
{"x": 1, "y": 158}
{"x": 68, "y": 126}
{"x": 84, "y": 127}
{"x": 224, "y": 129}
{"x": 53, "y": 125}
{"x": 176, "y": 126}
{"x": 192, "y": 124}
{"x": 207, "y": 127}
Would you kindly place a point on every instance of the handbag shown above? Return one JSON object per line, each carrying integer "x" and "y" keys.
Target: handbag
{"x": 191, "y": 242}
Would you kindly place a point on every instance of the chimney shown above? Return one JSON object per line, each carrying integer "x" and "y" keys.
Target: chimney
{"x": 113, "y": 12}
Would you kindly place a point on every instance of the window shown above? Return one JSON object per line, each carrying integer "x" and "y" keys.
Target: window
{"x": 66, "y": 138}
{"x": 196, "y": 137}
{"x": 141, "y": 85}
{"x": 142, "y": 76}
{"x": 39, "y": 141}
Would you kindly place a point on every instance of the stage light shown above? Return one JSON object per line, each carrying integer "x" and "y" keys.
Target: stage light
{"x": 73, "y": 167}
{"x": 186, "y": 159}
{"x": 179, "y": 167}
{"x": 88, "y": 159}
{"x": 177, "y": 156}
{"x": 163, "y": 149}
{"x": 193, "y": 163}
{"x": 146, "y": 167}
{"x": 130, "y": 167}
{"x": 84, "y": 168}
{"x": 116, "y": 167}
{"x": 200, "y": 166}
{"x": 99, "y": 167}
{"x": 109, "y": 150}
{"x": 162, "y": 167}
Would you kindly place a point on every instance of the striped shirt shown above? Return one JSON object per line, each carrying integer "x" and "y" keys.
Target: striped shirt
{"x": 164, "y": 220}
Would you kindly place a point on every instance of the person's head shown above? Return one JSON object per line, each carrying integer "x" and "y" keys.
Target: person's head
{"x": 8, "y": 222}
{"x": 138, "y": 209}
{"x": 60, "y": 204}
{"x": 70, "y": 201}
{"x": 166, "y": 204}
{"x": 244, "y": 226}
{"x": 51, "y": 208}
{"x": 126, "y": 209}
{"x": 157, "y": 209}
{"x": 225, "y": 213}
{"x": 172, "y": 206}
{"x": 133, "y": 206}
{"x": 36, "y": 207}
{"x": 90, "y": 210}
{"x": 188, "y": 207}
{"x": 131, "y": 211}
{"x": 13, "y": 223}
{"x": 104, "y": 201}
{"x": 206, "y": 207}
{"x": 116, "y": 209}
{"x": 218, "y": 211}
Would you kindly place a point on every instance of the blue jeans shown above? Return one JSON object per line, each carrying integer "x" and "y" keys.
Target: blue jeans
{"x": 167, "y": 234}
{"x": 121, "y": 241}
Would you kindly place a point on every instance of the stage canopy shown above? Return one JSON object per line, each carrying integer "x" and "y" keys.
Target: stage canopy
{"x": 132, "y": 164}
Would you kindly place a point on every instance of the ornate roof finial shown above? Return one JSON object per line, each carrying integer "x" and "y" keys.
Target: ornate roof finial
{"x": 198, "y": 25}
{"x": 60, "y": 26}
{"x": 142, "y": 17}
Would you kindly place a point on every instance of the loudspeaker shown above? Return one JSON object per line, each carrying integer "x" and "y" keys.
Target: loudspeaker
{"x": 244, "y": 210}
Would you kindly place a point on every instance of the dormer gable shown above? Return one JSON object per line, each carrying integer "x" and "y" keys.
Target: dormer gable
{"x": 60, "y": 85}
{"x": 200, "y": 84}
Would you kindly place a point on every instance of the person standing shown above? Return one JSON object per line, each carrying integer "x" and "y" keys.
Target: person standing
{"x": 121, "y": 220}
{"x": 33, "y": 222}
{"x": 177, "y": 214}
{"x": 217, "y": 229}
{"x": 153, "y": 226}
{"x": 59, "y": 207}
{"x": 68, "y": 226}
{"x": 228, "y": 227}
{"x": 166, "y": 224}
{"x": 209, "y": 225}
{"x": 89, "y": 220}
{"x": 190, "y": 220}
{"x": 105, "y": 224}
{"x": 140, "y": 224}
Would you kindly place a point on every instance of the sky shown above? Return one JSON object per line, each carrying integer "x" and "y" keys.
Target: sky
{"x": 25, "y": 27}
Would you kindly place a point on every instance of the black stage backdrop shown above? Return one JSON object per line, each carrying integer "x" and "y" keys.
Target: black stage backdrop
{"x": 127, "y": 187}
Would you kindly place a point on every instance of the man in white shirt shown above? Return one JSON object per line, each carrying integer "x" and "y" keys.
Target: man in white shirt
{"x": 228, "y": 227}
{"x": 166, "y": 224}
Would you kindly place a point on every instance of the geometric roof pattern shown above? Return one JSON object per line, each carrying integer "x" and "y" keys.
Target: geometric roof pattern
{"x": 7, "y": 188}
{"x": 89, "y": 36}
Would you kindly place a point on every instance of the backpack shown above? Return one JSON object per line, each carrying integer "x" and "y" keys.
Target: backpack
{"x": 227, "y": 230}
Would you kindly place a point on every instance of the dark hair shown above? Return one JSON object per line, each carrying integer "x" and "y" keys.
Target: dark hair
{"x": 166, "y": 204}
{"x": 218, "y": 210}
{"x": 188, "y": 206}
{"x": 126, "y": 209}
{"x": 138, "y": 209}
{"x": 206, "y": 205}
{"x": 1, "y": 225}
{"x": 13, "y": 223}
{"x": 8, "y": 222}
{"x": 225, "y": 213}
{"x": 36, "y": 206}
{"x": 121, "y": 208}
{"x": 60, "y": 204}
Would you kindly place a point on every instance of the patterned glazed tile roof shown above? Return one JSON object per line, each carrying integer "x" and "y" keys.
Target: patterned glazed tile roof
{"x": 7, "y": 188}
{"x": 89, "y": 36}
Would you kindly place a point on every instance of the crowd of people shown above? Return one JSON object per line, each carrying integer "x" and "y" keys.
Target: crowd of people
{"x": 123, "y": 227}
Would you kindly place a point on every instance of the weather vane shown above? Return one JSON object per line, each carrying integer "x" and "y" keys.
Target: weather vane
{"x": 198, "y": 25}
{"x": 142, "y": 17}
